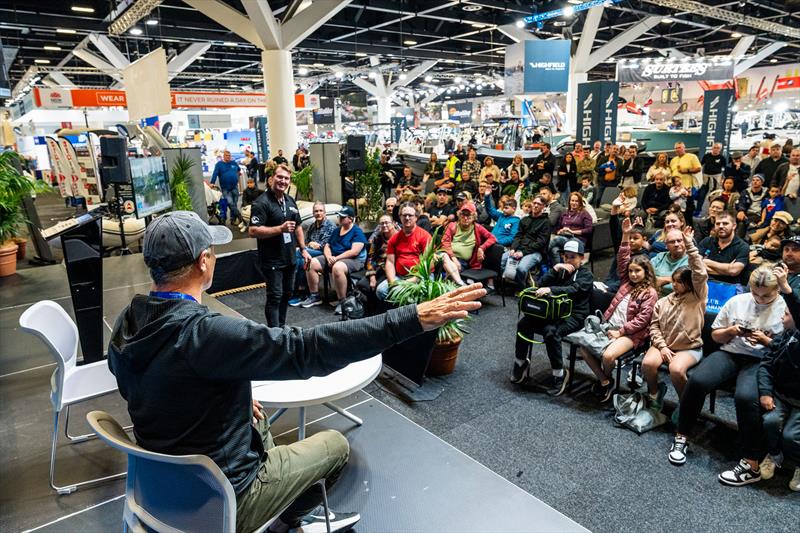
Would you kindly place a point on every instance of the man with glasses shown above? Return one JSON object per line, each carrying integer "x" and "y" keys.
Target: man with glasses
{"x": 529, "y": 246}
{"x": 319, "y": 233}
{"x": 403, "y": 249}
{"x": 275, "y": 222}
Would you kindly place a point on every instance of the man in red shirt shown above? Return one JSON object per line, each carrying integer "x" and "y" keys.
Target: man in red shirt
{"x": 403, "y": 249}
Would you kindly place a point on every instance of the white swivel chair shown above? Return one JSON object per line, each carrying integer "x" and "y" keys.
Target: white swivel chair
{"x": 70, "y": 384}
{"x": 174, "y": 493}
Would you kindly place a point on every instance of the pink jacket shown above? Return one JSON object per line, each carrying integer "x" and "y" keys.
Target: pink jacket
{"x": 483, "y": 239}
{"x": 640, "y": 309}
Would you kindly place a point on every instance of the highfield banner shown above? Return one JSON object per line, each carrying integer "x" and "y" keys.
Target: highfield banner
{"x": 597, "y": 111}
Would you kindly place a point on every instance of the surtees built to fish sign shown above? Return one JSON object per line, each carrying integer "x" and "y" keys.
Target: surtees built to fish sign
{"x": 687, "y": 69}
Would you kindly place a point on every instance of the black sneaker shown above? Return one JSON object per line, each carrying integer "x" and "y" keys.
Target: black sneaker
{"x": 559, "y": 384}
{"x": 314, "y": 522}
{"x": 520, "y": 371}
{"x": 678, "y": 450}
{"x": 607, "y": 391}
{"x": 741, "y": 474}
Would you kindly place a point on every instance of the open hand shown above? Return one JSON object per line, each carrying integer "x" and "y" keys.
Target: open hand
{"x": 258, "y": 412}
{"x": 451, "y": 306}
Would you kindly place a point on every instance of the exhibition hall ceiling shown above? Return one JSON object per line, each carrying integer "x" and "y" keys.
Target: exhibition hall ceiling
{"x": 463, "y": 35}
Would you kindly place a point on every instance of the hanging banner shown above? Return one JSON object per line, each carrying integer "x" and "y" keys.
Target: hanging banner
{"x": 597, "y": 111}
{"x": 262, "y": 141}
{"x": 717, "y": 118}
{"x": 146, "y": 83}
{"x": 537, "y": 66}
{"x": 461, "y": 113}
{"x": 324, "y": 114}
{"x": 353, "y": 107}
{"x": 697, "y": 69}
{"x": 197, "y": 122}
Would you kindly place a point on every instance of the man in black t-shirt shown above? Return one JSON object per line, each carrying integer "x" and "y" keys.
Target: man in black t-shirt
{"x": 279, "y": 159}
{"x": 275, "y": 222}
{"x": 442, "y": 211}
{"x": 713, "y": 163}
{"x": 725, "y": 255}
{"x": 545, "y": 163}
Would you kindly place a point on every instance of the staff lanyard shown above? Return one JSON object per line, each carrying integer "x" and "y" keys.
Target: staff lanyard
{"x": 172, "y": 295}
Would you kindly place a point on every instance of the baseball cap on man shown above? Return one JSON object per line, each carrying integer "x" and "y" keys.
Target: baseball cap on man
{"x": 794, "y": 239}
{"x": 177, "y": 239}
{"x": 574, "y": 246}
{"x": 347, "y": 211}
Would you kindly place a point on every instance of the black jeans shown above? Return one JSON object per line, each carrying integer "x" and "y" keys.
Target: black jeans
{"x": 280, "y": 283}
{"x": 712, "y": 372}
{"x": 552, "y": 332}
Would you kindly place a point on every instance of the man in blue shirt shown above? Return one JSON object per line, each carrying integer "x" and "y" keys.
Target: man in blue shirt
{"x": 228, "y": 172}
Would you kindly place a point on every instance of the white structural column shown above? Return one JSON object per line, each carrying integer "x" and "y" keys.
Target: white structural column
{"x": 276, "y": 41}
{"x": 384, "y": 90}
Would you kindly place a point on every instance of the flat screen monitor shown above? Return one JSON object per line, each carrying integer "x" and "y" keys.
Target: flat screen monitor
{"x": 151, "y": 192}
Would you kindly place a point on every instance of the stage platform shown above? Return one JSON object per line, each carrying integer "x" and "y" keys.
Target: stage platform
{"x": 400, "y": 476}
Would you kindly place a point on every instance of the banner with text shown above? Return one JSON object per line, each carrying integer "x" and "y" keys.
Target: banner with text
{"x": 597, "y": 111}
{"x": 638, "y": 71}
{"x": 537, "y": 66}
{"x": 717, "y": 118}
{"x": 461, "y": 113}
{"x": 324, "y": 114}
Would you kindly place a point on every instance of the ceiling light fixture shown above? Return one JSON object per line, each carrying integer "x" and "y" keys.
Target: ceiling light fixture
{"x": 457, "y": 79}
{"x": 81, "y": 9}
{"x": 136, "y": 31}
{"x": 569, "y": 11}
{"x": 736, "y": 35}
{"x": 151, "y": 22}
{"x": 339, "y": 74}
{"x": 318, "y": 65}
{"x": 65, "y": 30}
{"x": 53, "y": 48}
{"x": 428, "y": 78}
{"x": 409, "y": 42}
{"x": 773, "y": 60}
{"x": 302, "y": 71}
{"x": 520, "y": 23}
{"x": 229, "y": 43}
{"x": 361, "y": 54}
{"x": 647, "y": 49}
{"x": 666, "y": 20}
{"x": 402, "y": 76}
{"x": 42, "y": 61}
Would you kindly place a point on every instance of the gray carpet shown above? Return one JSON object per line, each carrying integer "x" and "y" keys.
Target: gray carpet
{"x": 566, "y": 451}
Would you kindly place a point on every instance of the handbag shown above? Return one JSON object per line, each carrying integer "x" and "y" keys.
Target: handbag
{"x": 550, "y": 307}
{"x": 510, "y": 272}
{"x": 631, "y": 411}
{"x": 353, "y": 305}
{"x": 592, "y": 336}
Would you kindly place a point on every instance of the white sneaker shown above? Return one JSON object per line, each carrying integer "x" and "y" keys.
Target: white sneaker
{"x": 740, "y": 475}
{"x": 794, "y": 484}
{"x": 767, "y": 467}
{"x": 678, "y": 450}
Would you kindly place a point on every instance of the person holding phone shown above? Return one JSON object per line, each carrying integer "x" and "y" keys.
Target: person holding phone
{"x": 744, "y": 328}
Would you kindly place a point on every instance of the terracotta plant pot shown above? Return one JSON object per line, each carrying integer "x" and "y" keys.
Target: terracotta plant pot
{"x": 443, "y": 359}
{"x": 8, "y": 259}
{"x": 23, "y": 245}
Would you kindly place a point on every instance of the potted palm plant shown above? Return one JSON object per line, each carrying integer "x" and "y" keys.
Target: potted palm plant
{"x": 423, "y": 283}
{"x": 14, "y": 186}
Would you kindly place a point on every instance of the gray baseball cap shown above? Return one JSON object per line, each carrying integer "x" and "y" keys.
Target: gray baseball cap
{"x": 177, "y": 238}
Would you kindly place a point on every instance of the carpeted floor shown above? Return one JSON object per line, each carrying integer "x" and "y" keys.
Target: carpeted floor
{"x": 566, "y": 451}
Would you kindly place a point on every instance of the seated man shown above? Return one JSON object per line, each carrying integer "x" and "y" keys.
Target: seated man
{"x": 725, "y": 255}
{"x": 467, "y": 184}
{"x": 748, "y": 211}
{"x": 408, "y": 182}
{"x": 403, "y": 249}
{"x": 319, "y": 233}
{"x": 464, "y": 244}
{"x": 186, "y": 374}
{"x": 656, "y": 200}
{"x": 665, "y": 263}
{"x": 376, "y": 257}
{"x": 442, "y": 212}
{"x": 573, "y": 279}
{"x": 704, "y": 227}
{"x": 344, "y": 253}
{"x": 529, "y": 246}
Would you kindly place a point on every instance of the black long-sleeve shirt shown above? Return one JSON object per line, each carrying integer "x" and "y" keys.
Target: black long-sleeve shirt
{"x": 779, "y": 371}
{"x": 186, "y": 372}
{"x": 578, "y": 286}
{"x": 654, "y": 197}
{"x": 533, "y": 235}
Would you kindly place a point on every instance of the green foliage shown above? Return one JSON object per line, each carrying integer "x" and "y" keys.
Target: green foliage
{"x": 368, "y": 187}
{"x": 302, "y": 180}
{"x": 422, "y": 285}
{"x": 179, "y": 183}
{"x": 14, "y": 187}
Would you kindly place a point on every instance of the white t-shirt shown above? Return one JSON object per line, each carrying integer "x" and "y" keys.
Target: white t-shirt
{"x": 742, "y": 310}
{"x": 620, "y": 314}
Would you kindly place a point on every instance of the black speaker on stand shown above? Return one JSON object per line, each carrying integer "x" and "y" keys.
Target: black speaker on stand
{"x": 115, "y": 170}
{"x": 356, "y": 151}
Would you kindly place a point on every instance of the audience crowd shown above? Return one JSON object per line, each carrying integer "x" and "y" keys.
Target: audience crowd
{"x": 697, "y": 241}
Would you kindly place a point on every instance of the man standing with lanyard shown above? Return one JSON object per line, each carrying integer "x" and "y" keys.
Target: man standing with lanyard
{"x": 228, "y": 172}
{"x": 275, "y": 222}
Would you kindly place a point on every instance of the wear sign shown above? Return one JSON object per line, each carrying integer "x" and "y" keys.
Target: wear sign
{"x": 717, "y": 118}
{"x": 673, "y": 70}
{"x": 597, "y": 111}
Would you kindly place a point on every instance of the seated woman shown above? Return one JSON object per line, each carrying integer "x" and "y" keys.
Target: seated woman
{"x": 376, "y": 257}
{"x": 519, "y": 165}
{"x": 728, "y": 193}
{"x": 464, "y": 243}
{"x": 677, "y": 325}
{"x": 569, "y": 277}
{"x": 629, "y": 313}
{"x": 344, "y": 253}
{"x": 657, "y": 243}
{"x": 576, "y": 222}
{"x": 433, "y": 171}
{"x": 778, "y": 227}
{"x": 744, "y": 328}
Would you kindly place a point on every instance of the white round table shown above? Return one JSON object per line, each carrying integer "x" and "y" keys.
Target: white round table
{"x": 321, "y": 390}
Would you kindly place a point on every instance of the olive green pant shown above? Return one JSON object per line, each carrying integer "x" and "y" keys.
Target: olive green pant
{"x": 286, "y": 477}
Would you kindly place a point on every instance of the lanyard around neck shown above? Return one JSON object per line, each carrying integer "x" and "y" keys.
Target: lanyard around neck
{"x": 172, "y": 295}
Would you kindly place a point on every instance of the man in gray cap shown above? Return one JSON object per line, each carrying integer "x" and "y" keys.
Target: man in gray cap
{"x": 186, "y": 371}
